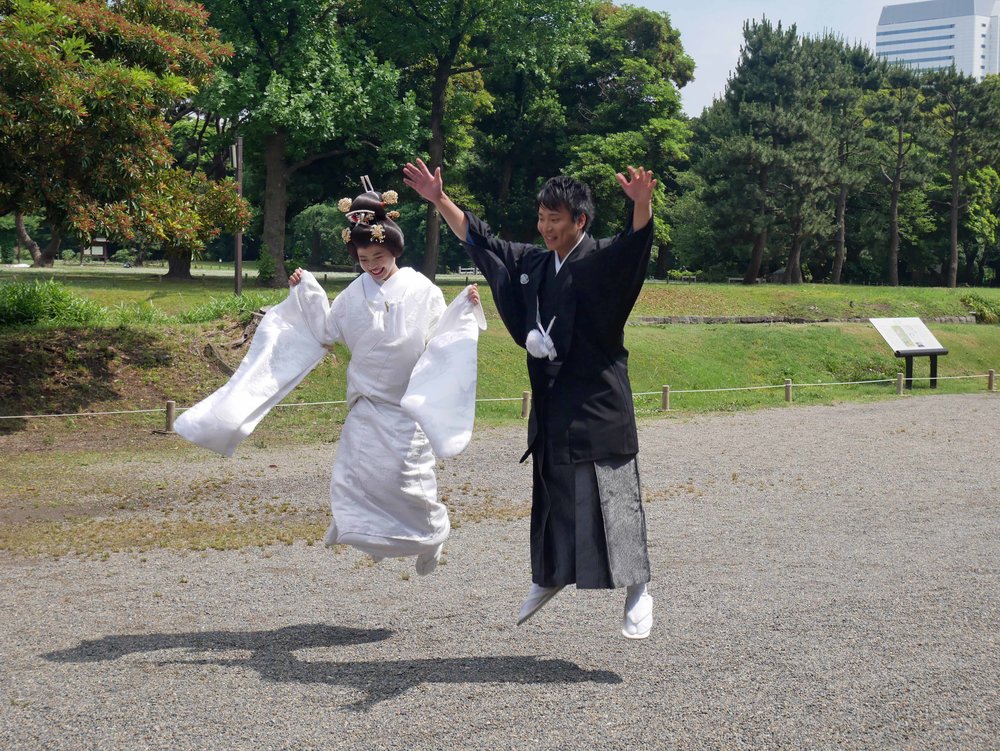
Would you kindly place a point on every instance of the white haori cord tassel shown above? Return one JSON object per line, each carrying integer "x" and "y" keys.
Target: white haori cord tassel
{"x": 539, "y": 344}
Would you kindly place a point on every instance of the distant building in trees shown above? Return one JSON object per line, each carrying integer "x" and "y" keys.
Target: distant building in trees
{"x": 942, "y": 33}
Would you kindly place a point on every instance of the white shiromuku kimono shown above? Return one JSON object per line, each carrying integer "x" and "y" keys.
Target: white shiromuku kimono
{"x": 383, "y": 493}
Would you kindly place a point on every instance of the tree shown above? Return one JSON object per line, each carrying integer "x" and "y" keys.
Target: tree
{"x": 964, "y": 114}
{"x": 521, "y": 138}
{"x": 694, "y": 239}
{"x": 742, "y": 153}
{"x": 623, "y": 107}
{"x": 185, "y": 212}
{"x": 83, "y": 90}
{"x": 319, "y": 228}
{"x": 844, "y": 75}
{"x": 302, "y": 88}
{"x": 440, "y": 41}
{"x": 900, "y": 128}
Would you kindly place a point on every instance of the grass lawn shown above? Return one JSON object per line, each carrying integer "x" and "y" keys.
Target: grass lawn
{"x": 138, "y": 366}
{"x": 111, "y": 286}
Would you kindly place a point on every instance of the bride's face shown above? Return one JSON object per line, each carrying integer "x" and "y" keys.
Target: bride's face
{"x": 378, "y": 262}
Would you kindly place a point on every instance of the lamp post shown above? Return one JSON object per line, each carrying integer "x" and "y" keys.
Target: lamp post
{"x": 236, "y": 154}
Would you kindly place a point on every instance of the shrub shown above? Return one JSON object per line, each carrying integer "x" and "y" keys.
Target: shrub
{"x": 241, "y": 307}
{"x": 140, "y": 314}
{"x": 987, "y": 311}
{"x": 69, "y": 255}
{"x": 266, "y": 267}
{"x": 124, "y": 255}
{"x": 299, "y": 260}
{"x": 28, "y": 303}
{"x": 6, "y": 254}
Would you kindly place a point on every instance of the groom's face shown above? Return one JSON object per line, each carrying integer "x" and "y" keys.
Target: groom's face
{"x": 558, "y": 229}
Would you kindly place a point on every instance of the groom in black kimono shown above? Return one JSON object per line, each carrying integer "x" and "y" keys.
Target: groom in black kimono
{"x": 567, "y": 305}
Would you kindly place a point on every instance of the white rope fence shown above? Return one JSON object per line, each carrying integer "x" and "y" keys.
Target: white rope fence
{"x": 171, "y": 408}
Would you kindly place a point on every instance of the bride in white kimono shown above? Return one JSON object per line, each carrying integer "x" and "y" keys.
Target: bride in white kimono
{"x": 383, "y": 493}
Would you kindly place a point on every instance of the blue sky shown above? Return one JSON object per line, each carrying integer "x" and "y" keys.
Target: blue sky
{"x": 712, "y": 30}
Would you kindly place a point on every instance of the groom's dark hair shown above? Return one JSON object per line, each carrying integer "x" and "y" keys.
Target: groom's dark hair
{"x": 564, "y": 192}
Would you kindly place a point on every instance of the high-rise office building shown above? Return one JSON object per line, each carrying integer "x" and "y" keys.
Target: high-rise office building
{"x": 942, "y": 33}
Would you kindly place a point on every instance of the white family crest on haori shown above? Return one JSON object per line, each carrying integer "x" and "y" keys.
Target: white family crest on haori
{"x": 383, "y": 492}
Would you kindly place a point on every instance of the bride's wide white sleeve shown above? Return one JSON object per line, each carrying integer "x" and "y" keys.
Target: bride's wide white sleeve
{"x": 441, "y": 396}
{"x": 289, "y": 342}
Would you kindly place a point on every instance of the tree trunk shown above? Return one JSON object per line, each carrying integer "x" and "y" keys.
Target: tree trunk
{"x": 971, "y": 256}
{"x": 760, "y": 238}
{"x": 315, "y": 250}
{"x": 25, "y": 241}
{"x": 662, "y": 259}
{"x": 793, "y": 269}
{"x": 276, "y": 203}
{"x": 756, "y": 258}
{"x": 439, "y": 91}
{"x": 956, "y": 197}
{"x": 178, "y": 266}
{"x": 48, "y": 258}
{"x": 841, "y": 252}
{"x": 41, "y": 259}
{"x": 894, "y": 192}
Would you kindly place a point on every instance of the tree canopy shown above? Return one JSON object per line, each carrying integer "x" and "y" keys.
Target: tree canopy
{"x": 84, "y": 88}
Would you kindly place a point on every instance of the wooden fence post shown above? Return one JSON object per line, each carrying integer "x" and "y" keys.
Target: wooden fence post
{"x": 991, "y": 383}
{"x": 665, "y": 401}
{"x": 525, "y": 404}
{"x": 899, "y": 384}
{"x": 788, "y": 389}
{"x": 170, "y": 417}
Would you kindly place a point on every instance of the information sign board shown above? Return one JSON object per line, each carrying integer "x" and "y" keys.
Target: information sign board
{"x": 908, "y": 336}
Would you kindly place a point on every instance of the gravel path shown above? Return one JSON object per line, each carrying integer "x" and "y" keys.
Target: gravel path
{"x": 825, "y": 577}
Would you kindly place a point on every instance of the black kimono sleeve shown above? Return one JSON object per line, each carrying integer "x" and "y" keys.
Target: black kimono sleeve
{"x": 501, "y": 263}
{"x": 623, "y": 261}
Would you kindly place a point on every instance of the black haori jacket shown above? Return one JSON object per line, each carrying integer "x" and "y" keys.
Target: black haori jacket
{"x": 582, "y": 402}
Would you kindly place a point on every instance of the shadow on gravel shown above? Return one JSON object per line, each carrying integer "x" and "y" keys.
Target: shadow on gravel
{"x": 271, "y": 656}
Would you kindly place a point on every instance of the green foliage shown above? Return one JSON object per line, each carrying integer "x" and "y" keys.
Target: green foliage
{"x": 6, "y": 254}
{"x": 69, "y": 255}
{"x": 987, "y": 311}
{"x": 303, "y": 87}
{"x": 821, "y": 159}
{"x": 266, "y": 267}
{"x": 298, "y": 260}
{"x": 319, "y": 227}
{"x": 963, "y": 114}
{"x": 187, "y": 211}
{"x": 140, "y": 314}
{"x": 83, "y": 91}
{"x": 677, "y": 274}
{"x": 124, "y": 255}
{"x": 49, "y": 302}
{"x": 241, "y": 307}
